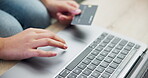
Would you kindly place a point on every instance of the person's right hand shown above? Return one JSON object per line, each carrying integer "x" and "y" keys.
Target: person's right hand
{"x": 24, "y": 45}
{"x": 62, "y": 10}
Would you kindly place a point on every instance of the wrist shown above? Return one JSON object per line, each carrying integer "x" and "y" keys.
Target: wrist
{"x": 1, "y": 47}
{"x": 1, "y": 43}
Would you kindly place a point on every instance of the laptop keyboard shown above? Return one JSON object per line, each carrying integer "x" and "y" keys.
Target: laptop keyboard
{"x": 105, "y": 57}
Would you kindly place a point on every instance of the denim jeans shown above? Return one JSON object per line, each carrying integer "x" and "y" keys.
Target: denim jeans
{"x": 16, "y": 15}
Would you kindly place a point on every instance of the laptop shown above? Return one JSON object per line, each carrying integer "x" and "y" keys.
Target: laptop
{"x": 93, "y": 52}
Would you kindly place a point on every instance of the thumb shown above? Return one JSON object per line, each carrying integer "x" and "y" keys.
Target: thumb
{"x": 75, "y": 12}
{"x": 71, "y": 9}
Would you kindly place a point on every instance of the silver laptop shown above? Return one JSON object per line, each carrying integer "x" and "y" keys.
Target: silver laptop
{"x": 93, "y": 52}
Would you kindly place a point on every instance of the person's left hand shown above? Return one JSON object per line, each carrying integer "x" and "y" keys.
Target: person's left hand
{"x": 62, "y": 10}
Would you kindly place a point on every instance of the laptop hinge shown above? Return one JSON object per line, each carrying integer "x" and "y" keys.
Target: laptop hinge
{"x": 136, "y": 64}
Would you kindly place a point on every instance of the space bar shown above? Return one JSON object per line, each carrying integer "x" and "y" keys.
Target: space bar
{"x": 78, "y": 59}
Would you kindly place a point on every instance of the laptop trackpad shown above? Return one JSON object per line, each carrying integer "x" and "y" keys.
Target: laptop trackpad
{"x": 77, "y": 38}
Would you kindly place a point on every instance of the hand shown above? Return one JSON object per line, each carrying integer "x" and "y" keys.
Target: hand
{"x": 62, "y": 10}
{"x": 24, "y": 45}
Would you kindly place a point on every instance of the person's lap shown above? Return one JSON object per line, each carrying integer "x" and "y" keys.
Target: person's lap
{"x": 16, "y": 14}
{"x": 8, "y": 25}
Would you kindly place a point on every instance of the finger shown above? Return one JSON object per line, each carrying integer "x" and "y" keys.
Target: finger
{"x": 49, "y": 35}
{"x": 48, "y": 42}
{"x": 46, "y": 34}
{"x": 70, "y": 8}
{"x": 73, "y": 3}
{"x": 64, "y": 17}
{"x": 37, "y": 30}
{"x": 41, "y": 53}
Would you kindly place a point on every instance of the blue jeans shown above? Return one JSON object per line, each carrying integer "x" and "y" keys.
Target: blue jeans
{"x": 16, "y": 15}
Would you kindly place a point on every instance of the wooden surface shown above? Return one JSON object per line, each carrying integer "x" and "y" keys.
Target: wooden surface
{"x": 127, "y": 17}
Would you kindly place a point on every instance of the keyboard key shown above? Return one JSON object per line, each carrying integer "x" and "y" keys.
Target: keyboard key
{"x": 99, "y": 48}
{"x": 112, "y": 55}
{"x": 123, "y": 42}
{"x": 110, "y": 37}
{"x": 82, "y": 76}
{"x": 110, "y": 70}
{"x": 116, "y": 51}
{"x": 100, "y": 57}
{"x": 103, "y": 44}
{"x": 108, "y": 49}
{"x": 137, "y": 46}
{"x": 96, "y": 74}
{"x": 104, "y": 34}
{"x": 104, "y": 64}
{"x": 97, "y": 41}
{"x": 108, "y": 59}
{"x": 106, "y": 40}
{"x": 72, "y": 75}
{"x": 101, "y": 37}
{"x": 64, "y": 73}
{"x": 93, "y": 45}
{"x": 77, "y": 71}
{"x": 128, "y": 48}
{"x": 114, "y": 65}
{"x": 130, "y": 44}
{"x": 116, "y": 40}
{"x": 104, "y": 53}
{"x": 121, "y": 56}
{"x": 117, "y": 60}
{"x": 91, "y": 56}
{"x": 95, "y": 52}
{"x": 111, "y": 45}
{"x": 125, "y": 52}
{"x": 87, "y": 72}
{"x": 76, "y": 61}
{"x": 119, "y": 47}
{"x": 82, "y": 66}
{"x": 100, "y": 69}
{"x": 86, "y": 61}
{"x": 92, "y": 66}
{"x": 105, "y": 75}
{"x": 96, "y": 62}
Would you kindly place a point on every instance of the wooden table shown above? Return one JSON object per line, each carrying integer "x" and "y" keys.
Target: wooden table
{"x": 127, "y": 17}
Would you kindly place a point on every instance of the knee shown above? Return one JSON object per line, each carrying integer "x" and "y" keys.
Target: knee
{"x": 34, "y": 14}
{"x": 38, "y": 18}
{"x": 8, "y": 25}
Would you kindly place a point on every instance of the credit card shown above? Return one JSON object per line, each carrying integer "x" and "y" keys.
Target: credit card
{"x": 87, "y": 15}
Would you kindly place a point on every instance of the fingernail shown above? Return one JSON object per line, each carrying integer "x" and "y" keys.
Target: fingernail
{"x": 76, "y": 11}
{"x": 54, "y": 54}
{"x": 65, "y": 46}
